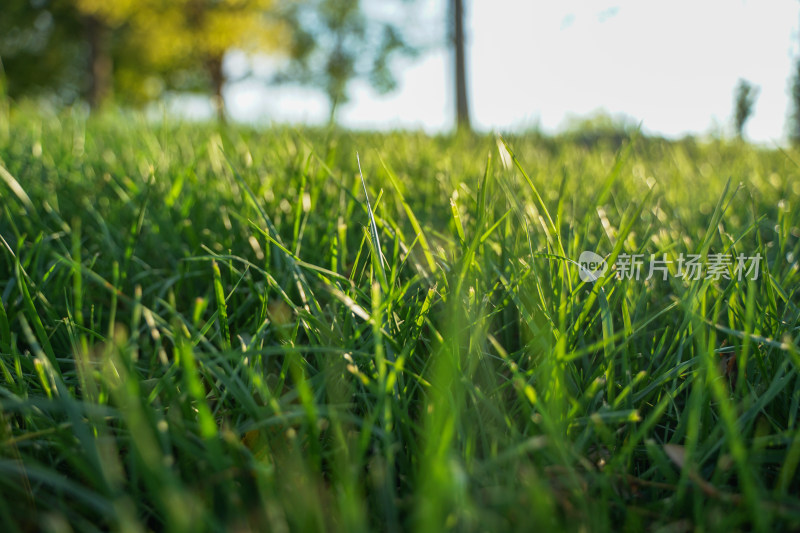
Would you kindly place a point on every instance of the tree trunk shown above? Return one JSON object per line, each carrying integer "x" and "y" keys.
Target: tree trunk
{"x": 218, "y": 83}
{"x": 4, "y": 104}
{"x": 3, "y": 89}
{"x": 462, "y": 107}
{"x": 100, "y": 62}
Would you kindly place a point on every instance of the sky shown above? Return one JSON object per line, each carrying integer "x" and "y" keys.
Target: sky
{"x": 672, "y": 65}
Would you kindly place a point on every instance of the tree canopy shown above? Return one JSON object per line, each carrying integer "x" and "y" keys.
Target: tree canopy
{"x": 332, "y": 42}
{"x": 144, "y": 47}
{"x": 134, "y": 51}
{"x": 41, "y": 49}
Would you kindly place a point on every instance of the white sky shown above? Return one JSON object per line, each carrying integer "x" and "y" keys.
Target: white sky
{"x": 672, "y": 65}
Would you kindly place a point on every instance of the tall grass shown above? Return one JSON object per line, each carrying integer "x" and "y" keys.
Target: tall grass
{"x": 214, "y": 329}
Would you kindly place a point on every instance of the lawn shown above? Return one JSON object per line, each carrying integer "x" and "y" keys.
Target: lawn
{"x": 214, "y": 329}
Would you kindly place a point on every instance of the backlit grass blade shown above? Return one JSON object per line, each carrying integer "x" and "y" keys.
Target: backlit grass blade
{"x": 33, "y": 316}
{"x": 16, "y": 188}
{"x": 373, "y": 226}
{"x": 222, "y": 307}
{"x": 5, "y": 330}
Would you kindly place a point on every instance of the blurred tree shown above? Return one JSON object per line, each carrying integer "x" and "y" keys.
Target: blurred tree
{"x": 135, "y": 49}
{"x": 176, "y": 44}
{"x": 459, "y": 56}
{"x": 746, "y": 96}
{"x": 794, "y": 120}
{"x": 332, "y": 42}
{"x": 42, "y": 49}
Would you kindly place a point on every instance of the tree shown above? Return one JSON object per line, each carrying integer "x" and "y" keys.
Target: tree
{"x": 459, "y": 56}
{"x": 134, "y": 49}
{"x": 332, "y": 43}
{"x": 178, "y": 44}
{"x": 42, "y": 49}
{"x": 746, "y": 96}
{"x": 794, "y": 121}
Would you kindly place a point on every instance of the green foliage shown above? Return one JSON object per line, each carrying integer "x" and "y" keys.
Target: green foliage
{"x": 153, "y": 45}
{"x": 173, "y": 39}
{"x": 60, "y": 47}
{"x": 197, "y": 332}
{"x": 600, "y": 128}
{"x": 333, "y": 42}
{"x": 42, "y": 50}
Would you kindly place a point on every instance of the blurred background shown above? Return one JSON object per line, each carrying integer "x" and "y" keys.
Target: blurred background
{"x": 713, "y": 67}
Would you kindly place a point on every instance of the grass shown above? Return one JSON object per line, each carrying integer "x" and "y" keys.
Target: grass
{"x": 213, "y": 329}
